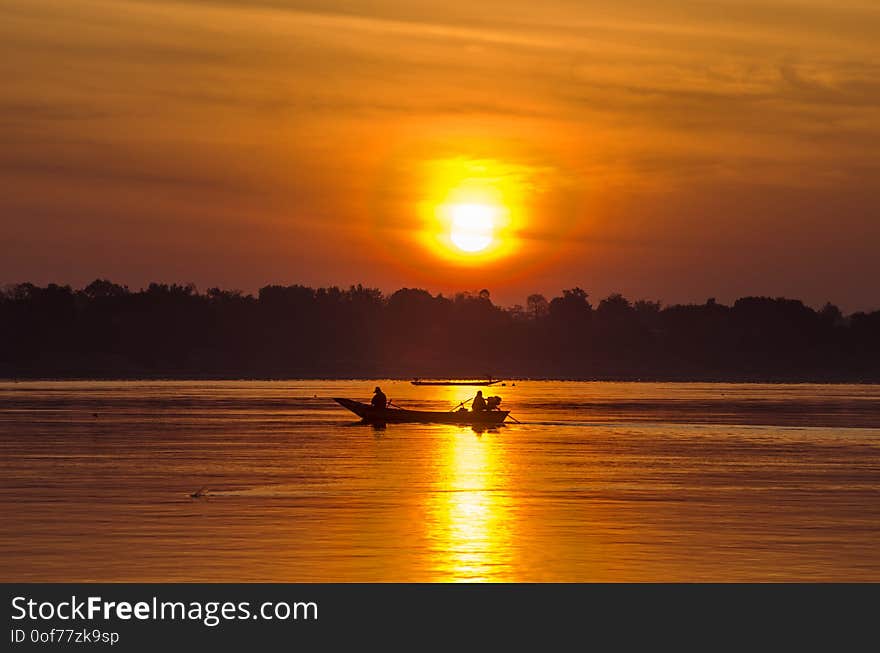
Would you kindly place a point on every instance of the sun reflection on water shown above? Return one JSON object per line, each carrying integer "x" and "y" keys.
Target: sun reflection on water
{"x": 468, "y": 516}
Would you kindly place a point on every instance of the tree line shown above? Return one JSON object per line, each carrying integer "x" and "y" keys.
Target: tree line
{"x": 106, "y": 330}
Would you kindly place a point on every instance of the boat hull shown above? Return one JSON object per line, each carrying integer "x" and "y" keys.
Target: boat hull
{"x": 483, "y": 383}
{"x": 399, "y": 415}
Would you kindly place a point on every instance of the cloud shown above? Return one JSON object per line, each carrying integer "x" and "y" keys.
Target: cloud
{"x": 24, "y": 112}
{"x": 304, "y": 113}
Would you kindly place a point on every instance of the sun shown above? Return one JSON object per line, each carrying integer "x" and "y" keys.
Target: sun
{"x": 472, "y": 226}
{"x": 473, "y": 209}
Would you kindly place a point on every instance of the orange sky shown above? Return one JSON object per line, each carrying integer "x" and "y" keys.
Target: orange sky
{"x": 668, "y": 150}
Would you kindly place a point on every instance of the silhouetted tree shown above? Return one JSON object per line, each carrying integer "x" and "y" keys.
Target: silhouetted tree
{"x": 831, "y": 315}
{"x": 573, "y": 306}
{"x": 172, "y": 330}
{"x": 615, "y": 307}
{"x": 537, "y": 306}
{"x": 101, "y": 288}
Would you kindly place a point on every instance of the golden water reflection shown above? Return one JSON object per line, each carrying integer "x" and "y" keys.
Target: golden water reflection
{"x": 469, "y": 511}
{"x": 631, "y": 482}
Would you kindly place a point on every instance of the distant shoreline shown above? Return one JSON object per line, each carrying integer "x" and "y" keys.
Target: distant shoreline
{"x": 105, "y": 331}
{"x": 508, "y": 380}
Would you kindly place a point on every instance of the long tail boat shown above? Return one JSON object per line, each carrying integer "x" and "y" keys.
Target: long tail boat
{"x": 462, "y": 417}
{"x": 484, "y": 383}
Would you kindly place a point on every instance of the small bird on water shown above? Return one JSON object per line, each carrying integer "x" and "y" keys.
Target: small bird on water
{"x": 198, "y": 494}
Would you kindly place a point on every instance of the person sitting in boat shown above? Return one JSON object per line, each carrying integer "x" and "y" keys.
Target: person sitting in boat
{"x": 493, "y": 403}
{"x": 379, "y": 399}
{"x": 479, "y": 404}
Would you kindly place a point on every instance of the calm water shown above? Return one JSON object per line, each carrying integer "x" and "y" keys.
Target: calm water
{"x": 601, "y": 482}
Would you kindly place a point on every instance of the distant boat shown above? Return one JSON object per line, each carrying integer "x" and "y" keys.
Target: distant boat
{"x": 489, "y": 382}
{"x": 399, "y": 415}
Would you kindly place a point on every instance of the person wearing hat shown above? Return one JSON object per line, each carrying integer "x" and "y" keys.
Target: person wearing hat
{"x": 379, "y": 399}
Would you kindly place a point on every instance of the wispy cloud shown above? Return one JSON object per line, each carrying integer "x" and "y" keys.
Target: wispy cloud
{"x": 323, "y": 108}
